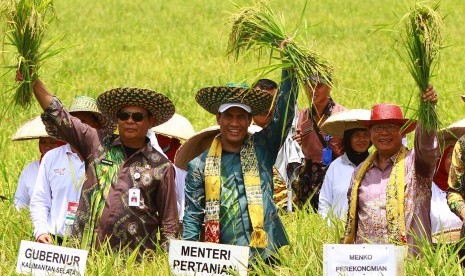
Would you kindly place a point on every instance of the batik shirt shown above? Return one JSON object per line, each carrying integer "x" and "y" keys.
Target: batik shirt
{"x": 372, "y": 224}
{"x": 122, "y": 225}
{"x": 456, "y": 190}
{"x": 235, "y": 225}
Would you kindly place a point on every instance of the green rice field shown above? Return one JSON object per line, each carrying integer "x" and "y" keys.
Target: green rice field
{"x": 177, "y": 47}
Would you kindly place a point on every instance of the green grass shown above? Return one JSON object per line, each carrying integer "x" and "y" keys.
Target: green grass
{"x": 177, "y": 47}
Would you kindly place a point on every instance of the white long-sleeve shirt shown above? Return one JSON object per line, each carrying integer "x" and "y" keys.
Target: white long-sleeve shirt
{"x": 55, "y": 188}
{"x": 180, "y": 175}
{"x": 333, "y": 194}
{"x": 26, "y": 183}
{"x": 441, "y": 216}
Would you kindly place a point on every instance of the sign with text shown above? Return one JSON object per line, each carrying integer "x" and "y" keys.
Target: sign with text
{"x": 45, "y": 259}
{"x": 205, "y": 258}
{"x": 362, "y": 259}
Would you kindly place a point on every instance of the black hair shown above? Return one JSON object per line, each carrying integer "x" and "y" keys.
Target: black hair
{"x": 265, "y": 84}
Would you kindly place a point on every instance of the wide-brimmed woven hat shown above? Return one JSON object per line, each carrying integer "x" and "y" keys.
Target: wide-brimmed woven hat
{"x": 160, "y": 106}
{"x": 447, "y": 236}
{"x": 80, "y": 104}
{"x": 32, "y": 129}
{"x": 449, "y": 135}
{"x": 178, "y": 127}
{"x": 385, "y": 113}
{"x": 337, "y": 123}
{"x": 198, "y": 143}
{"x": 210, "y": 98}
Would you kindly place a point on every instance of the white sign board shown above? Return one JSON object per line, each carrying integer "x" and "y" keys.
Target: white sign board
{"x": 204, "y": 258}
{"x": 361, "y": 259}
{"x": 45, "y": 259}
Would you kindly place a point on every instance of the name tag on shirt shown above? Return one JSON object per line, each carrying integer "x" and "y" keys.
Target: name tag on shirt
{"x": 134, "y": 197}
{"x": 106, "y": 162}
{"x": 71, "y": 212}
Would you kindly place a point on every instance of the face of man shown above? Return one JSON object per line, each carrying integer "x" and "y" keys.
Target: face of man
{"x": 264, "y": 119}
{"x": 87, "y": 118}
{"x": 360, "y": 141}
{"x": 386, "y": 138}
{"x": 318, "y": 92}
{"x": 131, "y": 129}
{"x": 46, "y": 144}
{"x": 233, "y": 123}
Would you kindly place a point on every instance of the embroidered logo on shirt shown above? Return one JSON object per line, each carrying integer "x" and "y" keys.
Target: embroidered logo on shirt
{"x": 60, "y": 171}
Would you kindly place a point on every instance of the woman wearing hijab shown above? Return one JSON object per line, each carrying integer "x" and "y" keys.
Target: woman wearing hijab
{"x": 333, "y": 196}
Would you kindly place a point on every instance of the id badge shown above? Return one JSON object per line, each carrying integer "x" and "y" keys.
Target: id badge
{"x": 71, "y": 212}
{"x": 134, "y": 197}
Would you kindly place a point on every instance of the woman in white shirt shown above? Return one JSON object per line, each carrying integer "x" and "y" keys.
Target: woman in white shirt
{"x": 333, "y": 195}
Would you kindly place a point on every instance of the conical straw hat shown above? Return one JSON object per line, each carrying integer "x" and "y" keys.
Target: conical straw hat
{"x": 448, "y": 136}
{"x": 178, "y": 127}
{"x": 32, "y": 129}
{"x": 199, "y": 143}
{"x": 337, "y": 123}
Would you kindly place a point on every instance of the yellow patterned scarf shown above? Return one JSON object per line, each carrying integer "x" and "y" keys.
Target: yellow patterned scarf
{"x": 253, "y": 191}
{"x": 394, "y": 200}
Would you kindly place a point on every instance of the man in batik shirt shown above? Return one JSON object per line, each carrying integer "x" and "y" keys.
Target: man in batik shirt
{"x": 130, "y": 194}
{"x": 390, "y": 192}
{"x": 229, "y": 186}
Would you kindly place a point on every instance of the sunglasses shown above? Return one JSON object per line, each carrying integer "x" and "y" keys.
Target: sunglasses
{"x": 136, "y": 116}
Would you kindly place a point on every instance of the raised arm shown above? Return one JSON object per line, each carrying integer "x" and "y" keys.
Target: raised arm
{"x": 42, "y": 95}
{"x": 273, "y": 135}
{"x": 425, "y": 143}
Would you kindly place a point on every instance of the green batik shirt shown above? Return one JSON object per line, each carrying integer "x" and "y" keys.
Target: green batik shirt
{"x": 235, "y": 225}
{"x": 456, "y": 190}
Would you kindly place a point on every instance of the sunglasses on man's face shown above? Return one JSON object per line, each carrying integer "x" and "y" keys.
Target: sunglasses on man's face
{"x": 136, "y": 116}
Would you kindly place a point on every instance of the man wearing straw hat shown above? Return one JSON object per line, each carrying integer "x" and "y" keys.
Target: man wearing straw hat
{"x": 318, "y": 148}
{"x": 229, "y": 186}
{"x": 390, "y": 192}
{"x": 129, "y": 194}
{"x": 59, "y": 180}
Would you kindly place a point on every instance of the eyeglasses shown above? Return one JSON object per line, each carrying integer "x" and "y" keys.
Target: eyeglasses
{"x": 387, "y": 128}
{"x": 125, "y": 115}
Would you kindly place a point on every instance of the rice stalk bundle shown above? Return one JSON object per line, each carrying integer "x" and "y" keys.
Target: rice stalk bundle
{"x": 26, "y": 24}
{"x": 422, "y": 41}
{"x": 258, "y": 29}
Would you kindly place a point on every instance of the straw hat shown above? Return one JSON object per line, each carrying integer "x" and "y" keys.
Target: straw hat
{"x": 89, "y": 104}
{"x": 448, "y": 136}
{"x": 110, "y": 102}
{"x": 447, "y": 236}
{"x": 199, "y": 143}
{"x": 80, "y": 104}
{"x": 389, "y": 113}
{"x": 32, "y": 129}
{"x": 210, "y": 98}
{"x": 178, "y": 127}
{"x": 337, "y": 123}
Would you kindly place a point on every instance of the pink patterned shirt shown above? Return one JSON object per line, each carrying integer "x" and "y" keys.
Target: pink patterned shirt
{"x": 419, "y": 170}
